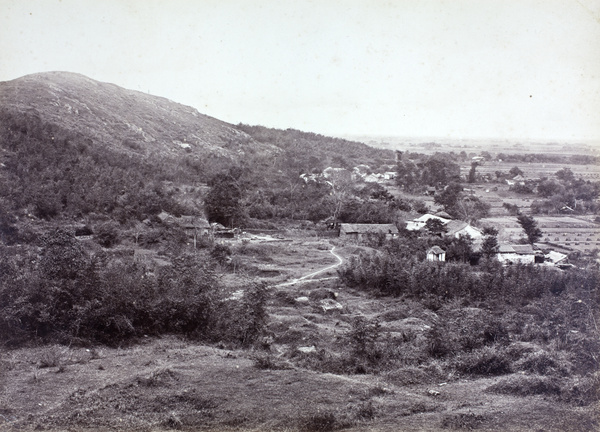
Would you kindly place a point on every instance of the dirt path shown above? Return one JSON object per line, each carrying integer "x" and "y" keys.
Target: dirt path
{"x": 310, "y": 276}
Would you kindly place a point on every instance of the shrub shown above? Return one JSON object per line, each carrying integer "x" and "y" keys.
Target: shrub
{"x": 72, "y": 298}
{"x": 583, "y": 391}
{"x": 484, "y": 361}
{"x": 323, "y": 422}
{"x": 524, "y": 385}
{"x": 540, "y": 362}
{"x": 220, "y": 253}
{"x": 365, "y": 411}
{"x": 51, "y": 356}
{"x": 267, "y": 361}
{"x": 363, "y": 338}
{"x": 463, "y": 421}
{"x": 107, "y": 234}
{"x": 242, "y": 321}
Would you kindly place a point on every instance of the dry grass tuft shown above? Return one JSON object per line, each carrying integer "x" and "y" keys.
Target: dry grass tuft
{"x": 463, "y": 421}
{"x": 51, "y": 356}
{"x": 525, "y": 385}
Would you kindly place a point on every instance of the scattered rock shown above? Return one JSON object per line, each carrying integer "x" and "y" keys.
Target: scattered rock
{"x": 308, "y": 349}
{"x": 329, "y": 305}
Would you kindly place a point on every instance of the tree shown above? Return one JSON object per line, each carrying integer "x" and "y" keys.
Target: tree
{"x": 489, "y": 247}
{"x": 107, "y": 234}
{"x": 487, "y": 155}
{"x": 407, "y": 174}
{"x": 472, "y": 173}
{"x": 565, "y": 174}
{"x": 470, "y": 209}
{"x": 515, "y": 171}
{"x": 512, "y": 209}
{"x": 529, "y": 225}
{"x": 460, "y": 249}
{"x": 440, "y": 170}
{"x": 435, "y": 226}
{"x": 223, "y": 203}
{"x": 449, "y": 196}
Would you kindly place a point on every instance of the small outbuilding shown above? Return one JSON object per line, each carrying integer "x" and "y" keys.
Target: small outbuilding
{"x": 436, "y": 253}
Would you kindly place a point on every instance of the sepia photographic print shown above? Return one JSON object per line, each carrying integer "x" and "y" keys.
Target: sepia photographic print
{"x": 299, "y": 216}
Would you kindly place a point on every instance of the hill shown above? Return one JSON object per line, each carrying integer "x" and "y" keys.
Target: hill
{"x": 121, "y": 119}
{"x": 72, "y": 146}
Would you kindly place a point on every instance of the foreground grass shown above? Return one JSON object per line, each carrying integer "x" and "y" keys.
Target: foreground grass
{"x": 171, "y": 384}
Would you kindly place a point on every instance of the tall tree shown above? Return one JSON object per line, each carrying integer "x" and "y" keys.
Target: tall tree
{"x": 489, "y": 247}
{"x": 223, "y": 203}
{"x": 472, "y": 173}
{"x": 529, "y": 225}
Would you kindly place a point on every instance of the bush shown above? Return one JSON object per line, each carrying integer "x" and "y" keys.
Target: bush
{"x": 220, "y": 253}
{"x": 71, "y": 297}
{"x": 463, "y": 421}
{"x": 107, "y": 234}
{"x": 524, "y": 385}
{"x": 323, "y": 422}
{"x": 542, "y": 363}
{"x": 362, "y": 339}
{"x": 485, "y": 361}
{"x": 583, "y": 391}
{"x": 242, "y": 322}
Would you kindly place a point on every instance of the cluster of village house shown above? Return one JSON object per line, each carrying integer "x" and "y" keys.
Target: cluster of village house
{"x": 197, "y": 227}
{"x": 507, "y": 253}
{"x": 360, "y": 172}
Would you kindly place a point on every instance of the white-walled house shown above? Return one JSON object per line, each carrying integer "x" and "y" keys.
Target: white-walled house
{"x": 457, "y": 228}
{"x": 513, "y": 254}
{"x": 436, "y": 253}
{"x": 419, "y": 223}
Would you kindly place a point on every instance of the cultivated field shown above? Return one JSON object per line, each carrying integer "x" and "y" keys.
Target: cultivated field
{"x": 534, "y": 170}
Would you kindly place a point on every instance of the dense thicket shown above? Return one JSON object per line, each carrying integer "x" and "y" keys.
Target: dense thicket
{"x": 67, "y": 295}
{"x": 50, "y": 171}
{"x": 308, "y": 152}
{"x": 387, "y": 274}
{"x": 414, "y": 171}
{"x": 555, "y": 308}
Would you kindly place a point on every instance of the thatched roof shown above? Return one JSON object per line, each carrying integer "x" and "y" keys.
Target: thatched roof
{"x": 368, "y": 229}
{"x": 436, "y": 250}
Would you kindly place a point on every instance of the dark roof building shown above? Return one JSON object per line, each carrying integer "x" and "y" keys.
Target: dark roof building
{"x": 360, "y": 230}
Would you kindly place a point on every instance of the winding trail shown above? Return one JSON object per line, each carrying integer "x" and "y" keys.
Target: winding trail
{"x": 309, "y": 277}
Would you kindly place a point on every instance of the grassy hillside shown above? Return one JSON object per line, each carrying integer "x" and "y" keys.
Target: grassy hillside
{"x": 120, "y": 119}
{"x": 71, "y": 146}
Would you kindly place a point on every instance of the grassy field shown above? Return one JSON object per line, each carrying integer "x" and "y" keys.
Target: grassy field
{"x": 297, "y": 380}
{"x": 535, "y": 170}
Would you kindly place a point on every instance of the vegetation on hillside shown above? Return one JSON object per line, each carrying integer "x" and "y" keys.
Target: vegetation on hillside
{"x": 307, "y": 152}
{"x": 70, "y": 296}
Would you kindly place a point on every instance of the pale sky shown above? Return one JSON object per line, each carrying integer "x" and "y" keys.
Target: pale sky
{"x": 523, "y": 69}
